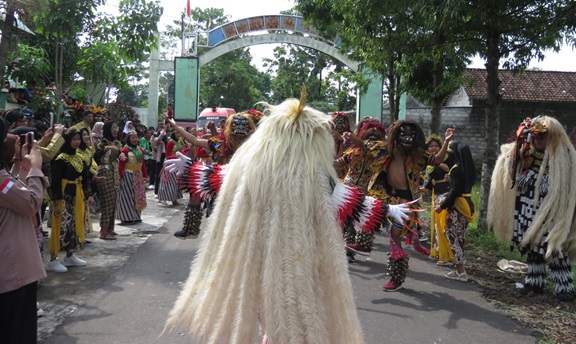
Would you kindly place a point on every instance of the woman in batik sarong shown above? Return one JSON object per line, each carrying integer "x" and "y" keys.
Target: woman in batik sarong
{"x": 436, "y": 180}
{"x": 107, "y": 154}
{"x": 459, "y": 205}
{"x": 86, "y": 152}
{"x": 169, "y": 191}
{"x": 70, "y": 185}
{"x": 133, "y": 177}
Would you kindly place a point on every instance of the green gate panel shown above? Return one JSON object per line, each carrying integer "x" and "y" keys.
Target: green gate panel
{"x": 370, "y": 103}
{"x": 186, "y": 95}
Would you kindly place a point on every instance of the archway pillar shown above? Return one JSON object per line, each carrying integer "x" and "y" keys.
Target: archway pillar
{"x": 153, "y": 87}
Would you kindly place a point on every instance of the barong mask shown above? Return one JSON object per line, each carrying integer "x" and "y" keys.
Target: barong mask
{"x": 240, "y": 126}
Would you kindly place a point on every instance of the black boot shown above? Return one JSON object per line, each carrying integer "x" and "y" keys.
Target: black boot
{"x": 192, "y": 222}
{"x": 351, "y": 257}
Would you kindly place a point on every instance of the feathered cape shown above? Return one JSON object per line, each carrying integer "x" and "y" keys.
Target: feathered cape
{"x": 273, "y": 254}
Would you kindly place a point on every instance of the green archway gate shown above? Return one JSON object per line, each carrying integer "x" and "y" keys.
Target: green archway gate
{"x": 240, "y": 34}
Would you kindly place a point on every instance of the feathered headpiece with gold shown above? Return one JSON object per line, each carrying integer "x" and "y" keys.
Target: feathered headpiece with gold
{"x": 434, "y": 137}
{"x": 95, "y": 109}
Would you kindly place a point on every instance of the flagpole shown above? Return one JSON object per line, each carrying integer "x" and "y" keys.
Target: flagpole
{"x": 183, "y": 36}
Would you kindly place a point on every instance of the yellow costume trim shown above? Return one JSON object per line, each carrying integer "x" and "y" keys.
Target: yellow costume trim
{"x": 79, "y": 210}
{"x": 75, "y": 160}
{"x": 133, "y": 167}
{"x": 464, "y": 208}
{"x": 438, "y": 222}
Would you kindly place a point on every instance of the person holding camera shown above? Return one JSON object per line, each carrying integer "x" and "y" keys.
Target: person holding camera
{"x": 21, "y": 193}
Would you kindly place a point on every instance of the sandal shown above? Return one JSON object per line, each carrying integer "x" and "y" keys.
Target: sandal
{"x": 443, "y": 263}
{"x": 108, "y": 236}
{"x": 454, "y": 275}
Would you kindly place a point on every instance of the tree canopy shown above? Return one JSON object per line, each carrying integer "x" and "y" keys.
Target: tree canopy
{"x": 403, "y": 39}
{"x": 75, "y": 44}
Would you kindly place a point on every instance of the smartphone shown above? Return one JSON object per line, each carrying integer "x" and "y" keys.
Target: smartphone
{"x": 26, "y": 138}
{"x": 30, "y": 141}
{"x": 22, "y": 142}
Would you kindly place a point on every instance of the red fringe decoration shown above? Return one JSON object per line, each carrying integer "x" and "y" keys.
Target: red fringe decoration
{"x": 365, "y": 212}
{"x": 202, "y": 180}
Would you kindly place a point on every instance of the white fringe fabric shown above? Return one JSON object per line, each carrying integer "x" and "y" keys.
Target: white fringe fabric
{"x": 553, "y": 222}
{"x": 273, "y": 254}
{"x": 502, "y": 197}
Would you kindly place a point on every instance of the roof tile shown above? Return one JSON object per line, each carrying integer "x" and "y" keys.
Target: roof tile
{"x": 528, "y": 86}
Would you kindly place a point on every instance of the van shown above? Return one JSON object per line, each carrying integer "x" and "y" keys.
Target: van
{"x": 213, "y": 114}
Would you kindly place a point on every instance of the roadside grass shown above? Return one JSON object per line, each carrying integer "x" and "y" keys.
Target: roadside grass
{"x": 551, "y": 321}
{"x": 480, "y": 239}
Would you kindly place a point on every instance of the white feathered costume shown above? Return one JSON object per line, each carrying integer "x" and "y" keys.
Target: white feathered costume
{"x": 273, "y": 254}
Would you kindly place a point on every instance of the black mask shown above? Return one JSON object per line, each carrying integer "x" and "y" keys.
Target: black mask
{"x": 407, "y": 134}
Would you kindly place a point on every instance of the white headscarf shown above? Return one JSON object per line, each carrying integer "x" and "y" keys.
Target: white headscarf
{"x": 97, "y": 130}
{"x": 126, "y": 128}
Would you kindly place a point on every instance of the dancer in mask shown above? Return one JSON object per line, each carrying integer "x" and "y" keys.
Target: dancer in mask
{"x": 532, "y": 202}
{"x": 223, "y": 146}
{"x": 358, "y": 160}
{"x": 397, "y": 180}
{"x": 274, "y": 253}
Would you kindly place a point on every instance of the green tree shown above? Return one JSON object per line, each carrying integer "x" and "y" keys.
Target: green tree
{"x": 404, "y": 41}
{"x": 134, "y": 95}
{"x": 111, "y": 49}
{"x": 378, "y": 36}
{"x": 32, "y": 63}
{"x": 435, "y": 69}
{"x": 59, "y": 29}
{"x": 10, "y": 34}
{"x": 327, "y": 80}
{"x": 231, "y": 81}
{"x": 511, "y": 33}
{"x": 118, "y": 45}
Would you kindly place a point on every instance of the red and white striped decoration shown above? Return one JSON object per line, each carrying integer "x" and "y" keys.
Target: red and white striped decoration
{"x": 6, "y": 186}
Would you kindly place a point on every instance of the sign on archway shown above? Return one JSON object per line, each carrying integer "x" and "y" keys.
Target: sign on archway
{"x": 254, "y": 31}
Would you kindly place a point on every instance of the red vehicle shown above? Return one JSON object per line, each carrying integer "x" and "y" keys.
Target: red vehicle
{"x": 213, "y": 114}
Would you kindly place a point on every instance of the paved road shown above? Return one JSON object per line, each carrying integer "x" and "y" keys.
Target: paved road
{"x": 126, "y": 291}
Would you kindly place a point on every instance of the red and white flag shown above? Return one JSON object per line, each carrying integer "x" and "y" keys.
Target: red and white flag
{"x": 6, "y": 186}
{"x": 188, "y": 8}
